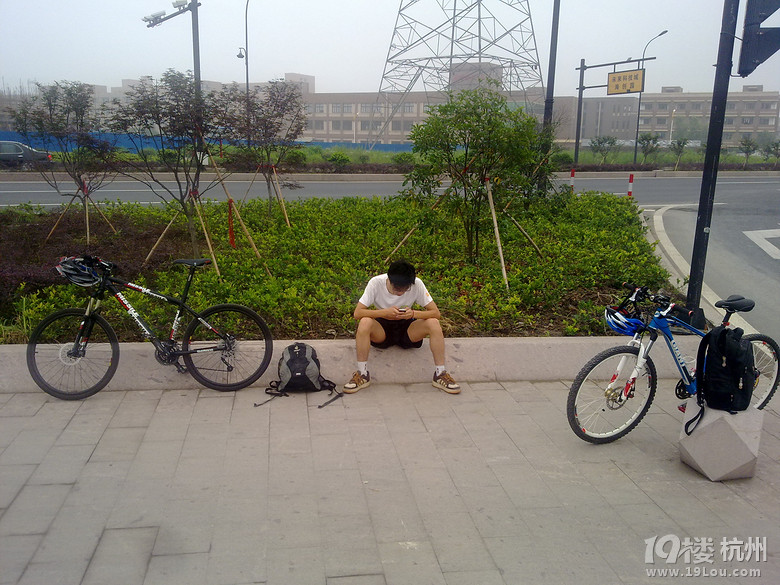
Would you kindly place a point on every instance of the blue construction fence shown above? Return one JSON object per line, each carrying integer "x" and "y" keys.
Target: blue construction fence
{"x": 122, "y": 141}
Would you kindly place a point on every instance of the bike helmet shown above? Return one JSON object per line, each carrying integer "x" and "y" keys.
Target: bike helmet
{"x": 622, "y": 322}
{"x": 76, "y": 271}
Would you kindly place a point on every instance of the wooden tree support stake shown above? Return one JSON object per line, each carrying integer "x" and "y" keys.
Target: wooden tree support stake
{"x": 252, "y": 182}
{"x": 59, "y": 219}
{"x": 278, "y": 189}
{"x": 498, "y": 234}
{"x": 208, "y": 238}
{"x": 221, "y": 180}
{"x": 411, "y": 231}
{"x": 525, "y": 233}
{"x": 85, "y": 199}
{"x": 162, "y": 235}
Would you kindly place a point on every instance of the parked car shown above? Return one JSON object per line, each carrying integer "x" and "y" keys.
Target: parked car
{"x": 16, "y": 154}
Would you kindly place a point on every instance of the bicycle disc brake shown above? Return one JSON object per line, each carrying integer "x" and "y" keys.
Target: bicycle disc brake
{"x": 616, "y": 399}
{"x": 70, "y": 355}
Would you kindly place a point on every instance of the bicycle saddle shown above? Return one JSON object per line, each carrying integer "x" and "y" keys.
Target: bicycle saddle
{"x": 736, "y": 303}
{"x": 194, "y": 262}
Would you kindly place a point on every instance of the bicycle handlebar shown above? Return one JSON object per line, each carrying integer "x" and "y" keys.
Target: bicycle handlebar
{"x": 95, "y": 262}
{"x": 642, "y": 293}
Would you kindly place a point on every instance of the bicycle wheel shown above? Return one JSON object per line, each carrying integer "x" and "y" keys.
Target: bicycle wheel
{"x": 597, "y": 408}
{"x": 765, "y": 356}
{"x": 64, "y": 370}
{"x": 233, "y": 347}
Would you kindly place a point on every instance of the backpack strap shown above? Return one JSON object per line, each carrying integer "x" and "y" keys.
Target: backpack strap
{"x": 273, "y": 391}
{"x": 330, "y": 386}
{"x": 701, "y": 356}
{"x": 694, "y": 422}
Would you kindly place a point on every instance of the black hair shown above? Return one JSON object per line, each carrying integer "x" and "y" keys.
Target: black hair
{"x": 401, "y": 273}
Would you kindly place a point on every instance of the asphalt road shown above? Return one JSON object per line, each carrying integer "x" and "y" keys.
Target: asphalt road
{"x": 744, "y": 245}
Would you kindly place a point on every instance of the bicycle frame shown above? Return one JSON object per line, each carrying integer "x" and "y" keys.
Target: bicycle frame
{"x": 115, "y": 286}
{"x": 661, "y": 322}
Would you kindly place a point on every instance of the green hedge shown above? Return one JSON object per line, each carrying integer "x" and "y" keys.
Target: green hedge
{"x": 318, "y": 267}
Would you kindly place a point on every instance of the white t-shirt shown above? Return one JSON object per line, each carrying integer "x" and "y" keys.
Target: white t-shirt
{"x": 376, "y": 294}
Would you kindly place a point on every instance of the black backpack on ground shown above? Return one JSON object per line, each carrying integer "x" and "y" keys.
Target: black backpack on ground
{"x": 725, "y": 373}
{"x": 299, "y": 370}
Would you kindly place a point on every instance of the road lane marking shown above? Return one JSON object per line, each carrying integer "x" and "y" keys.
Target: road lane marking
{"x": 684, "y": 269}
{"x": 761, "y": 239}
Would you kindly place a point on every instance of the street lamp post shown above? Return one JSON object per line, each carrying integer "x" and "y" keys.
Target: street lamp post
{"x": 639, "y": 103}
{"x": 157, "y": 18}
{"x": 243, "y": 53}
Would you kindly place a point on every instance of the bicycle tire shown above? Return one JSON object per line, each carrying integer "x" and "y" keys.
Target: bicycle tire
{"x": 765, "y": 354}
{"x": 237, "y": 365}
{"x": 59, "y": 373}
{"x": 592, "y": 415}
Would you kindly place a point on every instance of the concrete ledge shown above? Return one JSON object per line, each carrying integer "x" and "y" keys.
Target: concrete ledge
{"x": 473, "y": 359}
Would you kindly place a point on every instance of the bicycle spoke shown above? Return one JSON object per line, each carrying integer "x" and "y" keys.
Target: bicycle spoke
{"x": 598, "y": 411}
{"x": 236, "y": 361}
{"x": 64, "y": 372}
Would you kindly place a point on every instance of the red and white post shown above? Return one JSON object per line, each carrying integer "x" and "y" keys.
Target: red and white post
{"x": 631, "y": 185}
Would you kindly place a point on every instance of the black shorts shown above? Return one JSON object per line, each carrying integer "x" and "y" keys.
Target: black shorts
{"x": 396, "y": 333}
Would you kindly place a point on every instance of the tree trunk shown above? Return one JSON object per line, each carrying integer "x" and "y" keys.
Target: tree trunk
{"x": 189, "y": 212}
{"x": 269, "y": 187}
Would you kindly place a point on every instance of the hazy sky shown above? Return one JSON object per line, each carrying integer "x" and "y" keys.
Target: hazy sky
{"x": 344, "y": 43}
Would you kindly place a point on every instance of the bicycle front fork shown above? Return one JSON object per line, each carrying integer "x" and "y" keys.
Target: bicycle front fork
{"x": 641, "y": 360}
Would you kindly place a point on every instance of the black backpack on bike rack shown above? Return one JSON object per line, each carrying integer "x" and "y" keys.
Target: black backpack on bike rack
{"x": 299, "y": 370}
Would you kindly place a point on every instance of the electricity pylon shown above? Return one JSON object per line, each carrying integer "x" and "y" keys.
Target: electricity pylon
{"x": 448, "y": 45}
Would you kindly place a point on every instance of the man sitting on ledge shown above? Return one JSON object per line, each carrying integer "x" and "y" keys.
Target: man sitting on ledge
{"x": 394, "y": 321}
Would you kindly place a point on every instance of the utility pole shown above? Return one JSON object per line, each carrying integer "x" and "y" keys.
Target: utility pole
{"x": 548, "y": 102}
{"x": 711, "y": 158}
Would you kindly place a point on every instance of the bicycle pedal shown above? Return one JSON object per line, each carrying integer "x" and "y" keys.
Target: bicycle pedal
{"x": 180, "y": 368}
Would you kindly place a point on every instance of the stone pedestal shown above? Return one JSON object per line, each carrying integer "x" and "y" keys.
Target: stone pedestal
{"x": 723, "y": 445}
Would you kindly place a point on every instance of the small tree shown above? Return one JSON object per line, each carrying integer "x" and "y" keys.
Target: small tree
{"x": 475, "y": 137}
{"x": 266, "y": 125}
{"x": 648, "y": 144}
{"x": 678, "y": 148}
{"x": 62, "y": 119}
{"x": 771, "y": 149}
{"x": 747, "y": 146}
{"x": 167, "y": 121}
{"x": 603, "y": 146}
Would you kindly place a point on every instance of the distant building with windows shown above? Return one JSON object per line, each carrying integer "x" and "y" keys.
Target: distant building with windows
{"x": 367, "y": 117}
{"x": 751, "y": 113}
{"x": 672, "y": 113}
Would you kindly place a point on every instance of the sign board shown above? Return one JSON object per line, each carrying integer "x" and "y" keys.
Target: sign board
{"x": 626, "y": 82}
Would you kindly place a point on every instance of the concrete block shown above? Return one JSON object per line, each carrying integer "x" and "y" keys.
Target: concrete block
{"x": 723, "y": 445}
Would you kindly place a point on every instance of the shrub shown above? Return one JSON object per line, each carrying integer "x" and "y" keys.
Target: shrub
{"x": 338, "y": 159}
{"x": 562, "y": 160}
{"x": 295, "y": 158}
{"x": 403, "y": 158}
{"x": 319, "y": 266}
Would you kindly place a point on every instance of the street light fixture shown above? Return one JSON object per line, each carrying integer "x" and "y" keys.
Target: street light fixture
{"x": 639, "y": 103}
{"x": 158, "y": 18}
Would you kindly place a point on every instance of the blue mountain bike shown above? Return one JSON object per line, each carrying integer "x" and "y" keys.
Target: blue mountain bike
{"x": 614, "y": 390}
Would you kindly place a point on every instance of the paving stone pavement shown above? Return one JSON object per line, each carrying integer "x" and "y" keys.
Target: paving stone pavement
{"x": 394, "y": 485}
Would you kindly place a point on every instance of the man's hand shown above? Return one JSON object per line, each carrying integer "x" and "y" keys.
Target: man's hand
{"x": 396, "y": 314}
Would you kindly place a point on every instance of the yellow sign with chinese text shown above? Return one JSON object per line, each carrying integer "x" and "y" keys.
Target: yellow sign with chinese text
{"x": 626, "y": 82}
